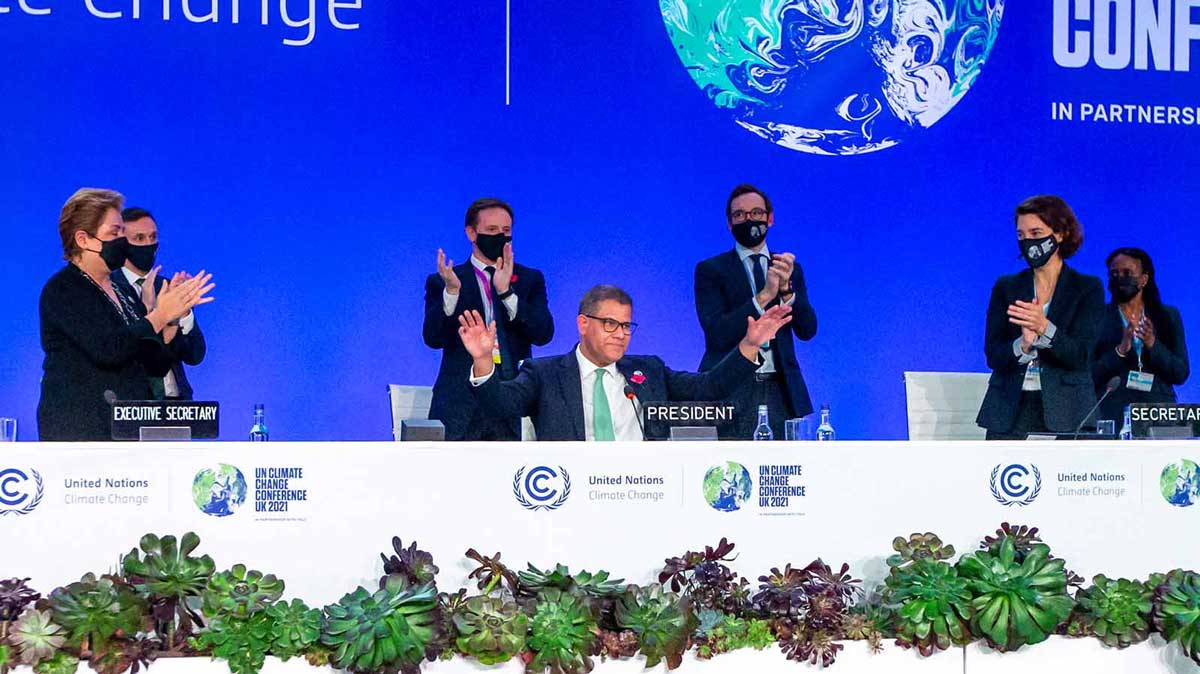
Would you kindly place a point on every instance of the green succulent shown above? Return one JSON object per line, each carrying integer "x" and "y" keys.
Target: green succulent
{"x": 919, "y": 546}
{"x": 35, "y": 637}
{"x": 661, "y": 621}
{"x": 932, "y": 606}
{"x": 97, "y": 609}
{"x": 1117, "y": 612}
{"x": 867, "y": 620}
{"x": 1177, "y": 611}
{"x": 168, "y": 570}
{"x": 1016, "y": 603}
{"x": 61, "y": 663}
{"x": 389, "y": 628}
{"x": 490, "y": 630}
{"x": 6, "y": 656}
{"x": 534, "y": 581}
{"x": 718, "y": 632}
{"x": 242, "y": 643}
{"x": 294, "y": 627}
{"x": 561, "y": 632}
{"x": 239, "y": 593}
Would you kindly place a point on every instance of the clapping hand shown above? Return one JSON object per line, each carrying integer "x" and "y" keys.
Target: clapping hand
{"x": 761, "y": 330}
{"x": 446, "y": 271}
{"x": 1127, "y": 339}
{"x": 1145, "y": 332}
{"x": 502, "y": 279}
{"x": 1032, "y": 320}
{"x": 180, "y": 295}
{"x": 479, "y": 339}
{"x": 786, "y": 264}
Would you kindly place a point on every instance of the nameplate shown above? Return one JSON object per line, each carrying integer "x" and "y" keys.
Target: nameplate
{"x": 131, "y": 416}
{"x": 689, "y": 413}
{"x": 1144, "y": 416}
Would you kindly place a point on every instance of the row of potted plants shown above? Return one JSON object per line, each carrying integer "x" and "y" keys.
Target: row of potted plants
{"x": 166, "y": 601}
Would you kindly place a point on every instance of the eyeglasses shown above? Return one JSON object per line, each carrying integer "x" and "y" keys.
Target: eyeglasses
{"x": 740, "y": 216}
{"x": 611, "y": 325}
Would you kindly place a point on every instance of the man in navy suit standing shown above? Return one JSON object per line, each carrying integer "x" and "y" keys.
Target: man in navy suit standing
{"x": 491, "y": 284}
{"x": 745, "y": 282}
{"x": 139, "y": 281}
{"x": 591, "y": 393}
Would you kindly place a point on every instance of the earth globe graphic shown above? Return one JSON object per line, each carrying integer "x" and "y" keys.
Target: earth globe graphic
{"x": 1180, "y": 483}
{"x": 727, "y": 487}
{"x": 219, "y": 491}
{"x": 834, "y": 77}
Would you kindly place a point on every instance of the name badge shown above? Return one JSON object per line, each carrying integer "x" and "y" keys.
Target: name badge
{"x": 1139, "y": 381}
{"x": 1033, "y": 378}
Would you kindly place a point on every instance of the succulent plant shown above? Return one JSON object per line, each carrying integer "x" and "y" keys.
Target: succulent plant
{"x": 561, "y": 634}
{"x": 243, "y": 643}
{"x": 919, "y": 546}
{"x": 781, "y": 594}
{"x": 1177, "y": 611}
{"x": 93, "y": 610}
{"x": 239, "y": 593}
{"x": 415, "y": 566}
{"x": 718, "y": 633}
{"x": 534, "y": 581}
{"x": 662, "y": 621}
{"x": 318, "y": 655}
{"x": 867, "y": 622}
{"x": 294, "y": 628}
{"x": 816, "y": 648}
{"x": 35, "y": 637}
{"x": 616, "y": 644}
{"x": 389, "y": 628}
{"x": 7, "y": 655}
{"x": 1016, "y": 603}
{"x": 490, "y": 630}
{"x": 15, "y": 595}
{"x": 1115, "y": 611}
{"x": 931, "y": 604}
{"x": 492, "y": 573}
{"x": 61, "y": 663}
{"x": 124, "y": 655}
{"x": 171, "y": 579}
{"x": 1023, "y": 538}
{"x": 705, "y": 580}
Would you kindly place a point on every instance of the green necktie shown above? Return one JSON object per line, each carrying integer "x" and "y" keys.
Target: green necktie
{"x": 602, "y": 425}
{"x": 157, "y": 384}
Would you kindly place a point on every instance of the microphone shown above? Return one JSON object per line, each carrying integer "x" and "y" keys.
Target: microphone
{"x": 1112, "y": 385}
{"x": 636, "y": 414}
{"x": 110, "y": 397}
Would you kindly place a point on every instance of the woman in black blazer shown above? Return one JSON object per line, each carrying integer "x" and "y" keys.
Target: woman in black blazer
{"x": 1042, "y": 326}
{"x": 94, "y": 339}
{"x": 1141, "y": 340}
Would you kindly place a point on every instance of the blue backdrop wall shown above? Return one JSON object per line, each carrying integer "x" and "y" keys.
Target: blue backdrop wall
{"x": 317, "y": 180}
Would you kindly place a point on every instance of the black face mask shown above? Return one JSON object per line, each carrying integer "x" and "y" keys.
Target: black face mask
{"x": 143, "y": 257}
{"x": 1037, "y": 252}
{"x": 750, "y": 233}
{"x": 1123, "y": 288}
{"x": 113, "y": 252}
{"x": 492, "y": 245}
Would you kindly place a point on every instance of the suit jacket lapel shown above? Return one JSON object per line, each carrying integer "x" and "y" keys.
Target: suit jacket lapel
{"x": 572, "y": 391}
{"x": 1064, "y": 297}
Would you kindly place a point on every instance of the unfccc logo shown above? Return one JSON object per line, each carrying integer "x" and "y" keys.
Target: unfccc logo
{"x": 20, "y": 491}
{"x": 541, "y": 488}
{"x": 1016, "y": 484}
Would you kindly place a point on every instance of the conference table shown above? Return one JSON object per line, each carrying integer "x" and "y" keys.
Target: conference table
{"x": 317, "y": 515}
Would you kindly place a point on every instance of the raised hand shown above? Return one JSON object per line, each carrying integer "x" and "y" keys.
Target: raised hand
{"x": 502, "y": 279}
{"x": 1127, "y": 339}
{"x": 786, "y": 264}
{"x": 178, "y": 299}
{"x": 771, "y": 288}
{"x": 761, "y": 330}
{"x": 446, "y": 271}
{"x": 1032, "y": 320}
{"x": 478, "y": 337}
{"x": 1145, "y": 331}
{"x": 149, "y": 293}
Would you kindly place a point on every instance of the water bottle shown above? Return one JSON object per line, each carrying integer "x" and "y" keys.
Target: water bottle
{"x": 825, "y": 430}
{"x": 1126, "y": 426}
{"x": 763, "y": 430}
{"x": 258, "y": 432}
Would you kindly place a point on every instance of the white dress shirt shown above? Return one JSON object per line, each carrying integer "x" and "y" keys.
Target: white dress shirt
{"x": 449, "y": 302}
{"x": 186, "y": 324}
{"x": 768, "y": 357}
{"x": 624, "y": 416}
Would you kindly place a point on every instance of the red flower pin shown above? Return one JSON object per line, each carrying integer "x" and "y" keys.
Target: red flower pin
{"x": 515, "y": 278}
{"x": 638, "y": 378}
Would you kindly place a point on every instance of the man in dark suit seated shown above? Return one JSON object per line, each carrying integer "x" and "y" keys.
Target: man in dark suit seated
{"x": 746, "y": 281}
{"x": 492, "y": 285}
{"x": 588, "y": 394}
{"x": 139, "y": 281}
